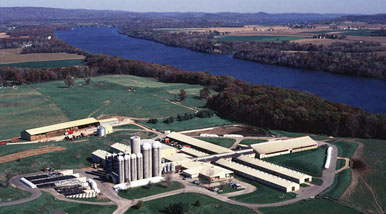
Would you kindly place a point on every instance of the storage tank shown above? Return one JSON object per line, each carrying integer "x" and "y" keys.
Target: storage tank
{"x": 121, "y": 169}
{"x": 156, "y": 157}
{"x": 140, "y": 166}
{"x": 115, "y": 164}
{"x": 135, "y": 142}
{"x": 133, "y": 164}
{"x": 93, "y": 185}
{"x": 101, "y": 131}
{"x": 109, "y": 164}
{"x": 127, "y": 167}
{"x": 147, "y": 163}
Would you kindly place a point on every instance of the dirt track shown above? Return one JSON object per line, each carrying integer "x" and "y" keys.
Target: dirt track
{"x": 29, "y": 153}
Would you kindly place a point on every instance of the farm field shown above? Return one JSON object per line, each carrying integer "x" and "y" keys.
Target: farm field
{"x": 12, "y": 56}
{"x": 26, "y": 108}
{"x": 224, "y": 142}
{"x": 259, "y": 38}
{"x": 310, "y": 162}
{"x": 345, "y": 148}
{"x": 110, "y": 95}
{"x": 47, "y": 204}
{"x": 316, "y": 206}
{"x": 263, "y": 194}
{"x": 47, "y": 64}
{"x": 208, "y": 205}
{"x": 145, "y": 191}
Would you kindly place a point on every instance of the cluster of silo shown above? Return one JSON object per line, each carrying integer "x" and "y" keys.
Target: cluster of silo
{"x": 144, "y": 161}
{"x": 168, "y": 168}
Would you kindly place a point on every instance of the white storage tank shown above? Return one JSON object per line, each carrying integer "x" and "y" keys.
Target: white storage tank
{"x": 140, "y": 166}
{"x": 147, "y": 163}
{"x": 135, "y": 142}
{"x": 121, "y": 170}
{"x": 133, "y": 163}
{"x": 127, "y": 167}
{"x": 156, "y": 157}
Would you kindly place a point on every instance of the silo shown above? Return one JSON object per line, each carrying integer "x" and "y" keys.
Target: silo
{"x": 101, "y": 131}
{"x": 133, "y": 167}
{"x": 127, "y": 167}
{"x": 121, "y": 169}
{"x": 156, "y": 159}
{"x": 109, "y": 164}
{"x": 135, "y": 142}
{"x": 115, "y": 163}
{"x": 147, "y": 163}
{"x": 140, "y": 166}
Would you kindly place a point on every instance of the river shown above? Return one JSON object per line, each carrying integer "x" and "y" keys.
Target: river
{"x": 367, "y": 93}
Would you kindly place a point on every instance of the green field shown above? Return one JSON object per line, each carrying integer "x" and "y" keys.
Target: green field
{"x": 263, "y": 194}
{"x": 316, "y": 206}
{"x": 341, "y": 181}
{"x": 228, "y": 189}
{"x": 74, "y": 157}
{"x": 8, "y": 193}
{"x": 145, "y": 191}
{"x": 252, "y": 141}
{"x": 25, "y": 108}
{"x": 340, "y": 163}
{"x": 224, "y": 142}
{"x": 357, "y": 33}
{"x": 317, "y": 181}
{"x": 310, "y": 162}
{"x": 375, "y": 158}
{"x": 195, "y": 123}
{"x": 48, "y": 64}
{"x": 319, "y": 32}
{"x": 258, "y": 38}
{"x": 208, "y": 205}
{"x": 345, "y": 148}
{"x": 128, "y": 126}
{"x": 47, "y": 204}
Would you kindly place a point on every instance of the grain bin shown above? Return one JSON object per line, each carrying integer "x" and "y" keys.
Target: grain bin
{"x": 101, "y": 131}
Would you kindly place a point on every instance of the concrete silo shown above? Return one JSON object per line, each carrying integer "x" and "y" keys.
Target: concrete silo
{"x": 109, "y": 164}
{"x": 140, "y": 166}
{"x": 127, "y": 167}
{"x": 135, "y": 142}
{"x": 133, "y": 167}
{"x": 147, "y": 160}
{"x": 115, "y": 164}
{"x": 156, "y": 159}
{"x": 121, "y": 169}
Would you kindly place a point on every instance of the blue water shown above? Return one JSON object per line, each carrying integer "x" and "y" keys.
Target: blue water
{"x": 370, "y": 94}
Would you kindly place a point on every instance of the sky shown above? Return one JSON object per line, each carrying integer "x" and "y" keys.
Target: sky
{"x": 269, "y": 6}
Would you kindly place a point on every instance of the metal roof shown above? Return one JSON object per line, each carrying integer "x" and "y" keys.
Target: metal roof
{"x": 283, "y": 145}
{"x": 203, "y": 168}
{"x": 273, "y": 167}
{"x": 199, "y": 143}
{"x": 101, "y": 153}
{"x": 193, "y": 152}
{"x": 121, "y": 147}
{"x": 256, "y": 173}
{"x": 59, "y": 126}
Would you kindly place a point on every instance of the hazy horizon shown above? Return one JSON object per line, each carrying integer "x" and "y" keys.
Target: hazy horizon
{"x": 213, "y": 6}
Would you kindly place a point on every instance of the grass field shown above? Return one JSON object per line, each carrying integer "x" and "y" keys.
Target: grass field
{"x": 195, "y": 123}
{"x": 47, "y": 204}
{"x": 316, "y": 206}
{"x": 263, "y": 194}
{"x": 358, "y": 33}
{"x": 47, "y": 64}
{"x": 224, "y": 142}
{"x": 129, "y": 126}
{"x": 145, "y": 191}
{"x": 25, "y": 108}
{"x": 259, "y": 38}
{"x": 228, "y": 189}
{"x": 345, "y": 148}
{"x": 252, "y": 141}
{"x": 8, "y": 193}
{"x": 208, "y": 205}
{"x": 341, "y": 182}
{"x": 310, "y": 162}
{"x": 340, "y": 163}
{"x": 317, "y": 181}
{"x": 109, "y": 95}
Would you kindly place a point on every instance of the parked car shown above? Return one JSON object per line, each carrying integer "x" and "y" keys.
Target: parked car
{"x": 2, "y": 143}
{"x": 197, "y": 182}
